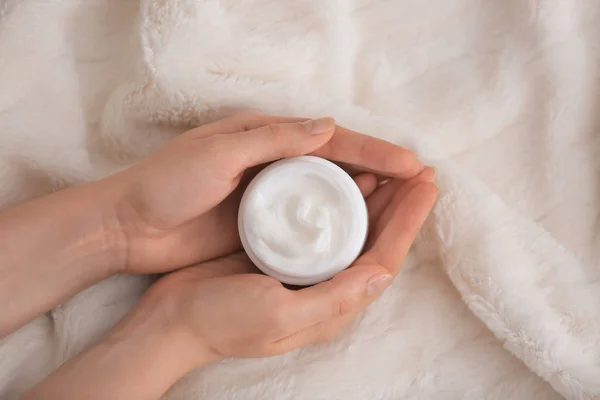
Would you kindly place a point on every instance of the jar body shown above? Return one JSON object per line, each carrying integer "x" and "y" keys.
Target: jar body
{"x": 302, "y": 220}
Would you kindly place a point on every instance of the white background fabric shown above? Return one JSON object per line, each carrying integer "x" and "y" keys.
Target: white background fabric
{"x": 500, "y": 297}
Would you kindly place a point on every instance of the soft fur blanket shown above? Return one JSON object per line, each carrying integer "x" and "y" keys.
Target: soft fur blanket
{"x": 500, "y": 297}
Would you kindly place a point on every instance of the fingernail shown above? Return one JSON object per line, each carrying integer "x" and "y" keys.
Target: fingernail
{"x": 378, "y": 283}
{"x": 426, "y": 175}
{"x": 318, "y": 126}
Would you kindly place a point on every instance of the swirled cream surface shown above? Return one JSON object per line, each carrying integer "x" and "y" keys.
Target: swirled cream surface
{"x": 302, "y": 220}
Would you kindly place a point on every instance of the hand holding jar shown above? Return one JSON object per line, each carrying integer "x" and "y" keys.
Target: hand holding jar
{"x": 177, "y": 211}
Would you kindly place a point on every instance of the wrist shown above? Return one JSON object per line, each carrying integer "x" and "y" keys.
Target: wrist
{"x": 140, "y": 358}
{"x": 153, "y": 338}
{"x": 106, "y": 243}
{"x": 53, "y": 247}
{"x": 164, "y": 307}
{"x": 153, "y": 342}
{"x": 125, "y": 230}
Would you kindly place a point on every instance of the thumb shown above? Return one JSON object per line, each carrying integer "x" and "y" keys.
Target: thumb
{"x": 315, "y": 311}
{"x": 275, "y": 141}
{"x": 343, "y": 294}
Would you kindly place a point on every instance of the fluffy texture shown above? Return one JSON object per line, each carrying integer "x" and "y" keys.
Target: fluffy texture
{"x": 500, "y": 296}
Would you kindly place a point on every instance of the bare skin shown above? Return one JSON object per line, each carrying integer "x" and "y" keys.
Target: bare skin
{"x": 178, "y": 208}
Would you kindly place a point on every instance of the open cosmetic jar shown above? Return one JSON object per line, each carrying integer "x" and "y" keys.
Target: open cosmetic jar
{"x": 302, "y": 220}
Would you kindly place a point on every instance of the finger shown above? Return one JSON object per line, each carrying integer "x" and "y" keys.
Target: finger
{"x": 370, "y": 154}
{"x": 427, "y": 175}
{"x": 329, "y": 331}
{"x": 326, "y": 330}
{"x": 271, "y": 142}
{"x": 381, "y": 198}
{"x": 353, "y": 171}
{"x": 240, "y": 123}
{"x": 304, "y": 337}
{"x": 356, "y": 151}
{"x": 408, "y": 213}
{"x": 367, "y": 183}
{"x": 336, "y": 297}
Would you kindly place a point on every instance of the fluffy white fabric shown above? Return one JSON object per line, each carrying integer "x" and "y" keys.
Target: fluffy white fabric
{"x": 500, "y": 297}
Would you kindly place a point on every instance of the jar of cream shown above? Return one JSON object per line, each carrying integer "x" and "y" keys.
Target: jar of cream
{"x": 302, "y": 220}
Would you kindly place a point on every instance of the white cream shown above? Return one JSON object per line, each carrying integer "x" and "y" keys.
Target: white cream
{"x": 302, "y": 220}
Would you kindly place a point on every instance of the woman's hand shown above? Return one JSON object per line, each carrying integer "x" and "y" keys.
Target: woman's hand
{"x": 176, "y": 208}
{"x": 179, "y": 206}
{"x": 234, "y": 311}
{"x": 225, "y": 308}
